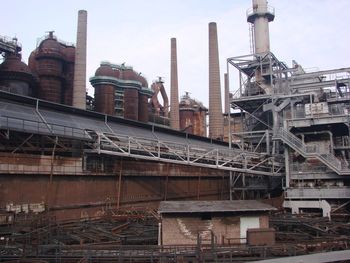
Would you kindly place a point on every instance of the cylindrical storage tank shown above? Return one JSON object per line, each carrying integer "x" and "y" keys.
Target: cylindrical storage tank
{"x": 32, "y": 61}
{"x": 50, "y": 70}
{"x": 104, "y": 99}
{"x": 143, "y": 107}
{"x": 69, "y": 57}
{"x": 105, "y": 93}
{"x": 131, "y": 104}
{"x": 199, "y": 123}
{"x": 186, "y": 120}
{"x": 16, "y": 77}
{"x": 131, "y": 95}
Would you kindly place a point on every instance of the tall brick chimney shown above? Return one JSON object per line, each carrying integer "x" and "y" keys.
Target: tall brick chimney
{"x": 79, "y": 88}
{"x": 174, "y": 89}
{"x": 216, "y": 121}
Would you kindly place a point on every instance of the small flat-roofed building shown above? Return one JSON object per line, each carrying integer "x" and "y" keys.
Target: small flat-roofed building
{"x": 227, "y": 222}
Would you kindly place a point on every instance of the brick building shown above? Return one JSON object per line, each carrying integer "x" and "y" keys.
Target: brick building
{"x": 222, "y": 222}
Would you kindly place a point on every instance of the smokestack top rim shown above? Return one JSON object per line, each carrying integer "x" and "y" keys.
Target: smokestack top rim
{"x": 82, "y": 11}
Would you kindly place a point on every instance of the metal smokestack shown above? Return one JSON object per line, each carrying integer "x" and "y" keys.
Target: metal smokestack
{"x": 260, "y": 15}
{"x": 174, "y": 90}
{"x": 79, "y": 88}
{"x": 216, "y": 121}
{"x": 227, "y": 94}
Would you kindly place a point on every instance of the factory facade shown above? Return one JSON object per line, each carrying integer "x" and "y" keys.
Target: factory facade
{"x": 283, "y": 135}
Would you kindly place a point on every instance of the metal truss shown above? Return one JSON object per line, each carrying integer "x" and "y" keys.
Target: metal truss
{"x": 185, "y": 154}
{"x": 248, "y": 65}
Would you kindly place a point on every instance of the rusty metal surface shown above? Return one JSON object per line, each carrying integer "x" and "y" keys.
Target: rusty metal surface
{"x": 131, "y": 104}
{"x": 129, "y": 74}
{"x": 261, "y": 236}
{"x": 104, "y": 99}
{"x": 16, "y": 76}
{"x": 187, "y": 120}
{"x": 53, "y": 62}
{"x": 156, "y": 107}
{"x": 143, "y": 108}
{"x": 130, "y": 235}
{"x": 192, "y": 116}
{"x": 77, "y": 193}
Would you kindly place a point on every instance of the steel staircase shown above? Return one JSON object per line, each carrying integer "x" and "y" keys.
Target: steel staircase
{"x": 311, "y": 151}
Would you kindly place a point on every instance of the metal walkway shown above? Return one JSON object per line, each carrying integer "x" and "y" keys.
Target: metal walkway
{"x": 311, "y": 151}
{"x": 110, "y": 135}
{"x": 9, "y": 45}
{"x": 181, "y": 153}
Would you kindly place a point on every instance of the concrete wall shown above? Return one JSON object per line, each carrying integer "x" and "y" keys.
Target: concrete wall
{"x": 183, "y": 230}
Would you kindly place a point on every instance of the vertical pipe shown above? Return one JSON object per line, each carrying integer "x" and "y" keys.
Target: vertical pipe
{"x": 79, "y": 88}
{"x": 199, "y": 187}
{"x": 287, "y": 168}
{"x": 49, "y": 189}
{"x": 166, "y": 183}
{"x": 216, "y": 121}
{"x": 227, "y": 94}
{"x": 174, "y": 89}
{"x": 119, "y": 183}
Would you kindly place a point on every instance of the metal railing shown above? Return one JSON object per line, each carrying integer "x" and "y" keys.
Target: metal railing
{"x": 150, "y": 149}
{"x": 333, "y": 110}
{"x": 31, "y": 126}
{"x": 187, "y": 154}
{"x": 311, "y": 151}
{"x": 261, "y": 10}
{"x": 9, "y": 44}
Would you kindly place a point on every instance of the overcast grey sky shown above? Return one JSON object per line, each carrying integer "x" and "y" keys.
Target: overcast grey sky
{"x": 313, "y": 32}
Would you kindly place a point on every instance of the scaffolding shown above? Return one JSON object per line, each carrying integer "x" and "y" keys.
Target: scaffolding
{"x": 299, "y": 119}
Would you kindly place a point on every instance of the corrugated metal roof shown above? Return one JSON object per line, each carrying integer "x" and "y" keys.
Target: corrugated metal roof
{"x": 213, "y": 206}
{"x": 19, "y": 113}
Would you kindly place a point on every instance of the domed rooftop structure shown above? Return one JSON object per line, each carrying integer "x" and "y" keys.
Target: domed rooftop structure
{"x": 129, "y": 74}
{"x": 107, "y": 69}
{"x": 50, "y": 46}
{"x": 187, "y": 102}
{"x": 69, "y": 53}
{"x": 143, "y": 80}
{"x": 16, "y": 76}
{"x": 14, "y": 64}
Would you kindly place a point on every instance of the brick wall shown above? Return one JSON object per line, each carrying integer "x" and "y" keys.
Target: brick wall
{"x": 39, "y": 164}
{"x": 183, "y": 230}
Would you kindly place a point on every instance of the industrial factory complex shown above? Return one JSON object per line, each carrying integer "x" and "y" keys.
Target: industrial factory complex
{"x": 133, "y": 174}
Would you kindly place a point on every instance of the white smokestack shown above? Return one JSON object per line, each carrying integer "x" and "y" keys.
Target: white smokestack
{"x": 79, "y": 88}
{"x": 260, "y": 16}
{"x": 216, "y": 121}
